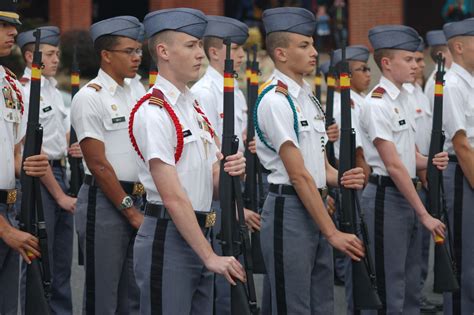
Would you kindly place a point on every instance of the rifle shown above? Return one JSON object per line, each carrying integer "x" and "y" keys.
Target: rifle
{"x": 77, "y": 172}
{"x": 234, "y": 236}
{"x": 32, "y": 217}
{"x": 331, "y": 81}
{"x": 318, "y": 79}
{"x": 152, "y": 74}
{"x": 445, "y": 274}
{"x": 252, "y": 169}
{"x": 364, "y": 285}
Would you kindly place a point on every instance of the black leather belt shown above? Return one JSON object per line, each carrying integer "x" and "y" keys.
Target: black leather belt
{"x": 131, "y": 188}
{"x": 57, "y": 163}
{"x": 386, "y": 181}
{"x": 8, "y": 196}
{"x": 453, "y": 158}
{"x": 290, "y": 190}
{"x": 205, "y": 219}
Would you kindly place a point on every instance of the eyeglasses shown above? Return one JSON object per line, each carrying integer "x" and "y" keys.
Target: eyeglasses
{"x": 363, "y": 69}
{"x": 130, "y": 51}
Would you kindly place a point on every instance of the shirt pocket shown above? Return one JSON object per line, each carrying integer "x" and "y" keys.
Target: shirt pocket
{"x": 46, "y": 111}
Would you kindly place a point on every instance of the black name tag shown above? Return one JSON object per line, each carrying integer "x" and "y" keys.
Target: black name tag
{"x": 402, "y": 122}
{"x": 304, "y": 123}
{"x": 47, "y": 109}
{"x": 117, "y": 120}
{"x": 187, "y": 133}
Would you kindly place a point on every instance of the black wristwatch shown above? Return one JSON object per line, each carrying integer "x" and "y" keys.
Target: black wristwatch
{"x": 127, "y": 202}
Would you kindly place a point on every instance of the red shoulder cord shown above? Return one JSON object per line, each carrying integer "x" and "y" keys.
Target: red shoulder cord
{"x": 157, "y": 98}
{"x": 201, "y": 113}
{"x": 15, "y": 88}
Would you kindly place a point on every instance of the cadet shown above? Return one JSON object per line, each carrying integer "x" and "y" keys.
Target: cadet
{"x": 110, "y": 198}
{"x": 209, "y": 90}
{"x": 296, "y": 228}
{"x": 390, "y": 200}
{"x": 424, "y": 123}
{"x": 174, "y": 261}
{"x": 438, "y": 44}
{"x": 58, "y": 206}
{"x": 13, "y": 119}
{"x": 458, "y": 121}
{"x": 357, "y": 56}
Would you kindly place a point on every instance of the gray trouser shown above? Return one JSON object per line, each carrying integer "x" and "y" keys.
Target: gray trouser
{"x": 460, "y": 201}
{"x": 60, "y": 227}
{"x": 425, "y": 241}
{"x": 9, "y": 268}
{"x": 171, "y": 277}
{"x": 110, "y": 283}
{"x": 298, "y": 258}
{"x": 395, "y": 244}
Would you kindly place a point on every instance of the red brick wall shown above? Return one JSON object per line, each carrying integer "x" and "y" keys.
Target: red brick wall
{"x": 70, "y": 14}
{"x": 365, "y": 14}
{"x": 211, "y": 7}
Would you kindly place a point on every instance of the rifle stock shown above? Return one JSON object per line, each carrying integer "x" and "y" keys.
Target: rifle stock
{"x": 364, "y": 290}
{"x": 77, "y": 172}
{"x": 252, "y": 164}
{"x": 445, "y": 275}
{"x": 234, "y": 235}
{"x": 32, "y": 218}
{"x": 331, "y": 81}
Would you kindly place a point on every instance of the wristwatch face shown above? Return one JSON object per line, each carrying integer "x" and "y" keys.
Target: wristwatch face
{"x": 127, "y": 202}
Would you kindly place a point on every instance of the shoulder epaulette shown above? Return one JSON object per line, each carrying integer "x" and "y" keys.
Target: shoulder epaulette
{"x": 24, "y": 80}
{"x": 157, "y": 98}
{"x": 95, "y": 86}
{"x": 10, "y": 73}
{"x": 281, "y": 88}
{"x": 378, "y": 92}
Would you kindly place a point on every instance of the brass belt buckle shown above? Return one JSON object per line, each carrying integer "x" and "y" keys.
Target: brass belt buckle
{"x": 210, "y": 220}
{"x": 138, "y": 189}
{"x": 418, "y": 185}
{"x": 11, "y": 196}
{"x": 324, "y": 192}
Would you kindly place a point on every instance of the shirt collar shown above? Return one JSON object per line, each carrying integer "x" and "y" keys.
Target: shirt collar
{"x": 390, "y": 88}
{"x": 463, "y": 73}
{"x": 293, "y": 87}
{"x": 109, "y": 83}
{"x": 2, "y": 72}
{"x": 44, "y": 80}
{"x": 409, "y": 87}
{"x": 215, "y": 77}
{"x": 356, "y": 97}
{"x": 171, "y": 92}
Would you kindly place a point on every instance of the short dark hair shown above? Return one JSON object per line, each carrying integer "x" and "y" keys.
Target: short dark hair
{"x": 212, "y": 41}
{"x": 105, "y": 42}
{"x": 276, "y": 40}
{"x": 381, "y": 53}
{"x": 437, "y": 49}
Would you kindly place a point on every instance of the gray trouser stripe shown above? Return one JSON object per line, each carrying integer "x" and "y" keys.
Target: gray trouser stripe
{"x": 379, "y": 246}
{"x": 90, "y": 260}
{"x": 457, "y": 212}
{"x": 278, "y": 256}
{"x": 156, "y": 272}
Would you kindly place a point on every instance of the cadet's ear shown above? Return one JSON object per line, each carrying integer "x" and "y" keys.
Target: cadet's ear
{"x": 162, "y": 51}
{"x": 28, "y": 57}
{"x": 105, "y": 56}
{"x": 213, "y": 53}
{"x": 280, "y": 54}
{"x": 386, "y": 63}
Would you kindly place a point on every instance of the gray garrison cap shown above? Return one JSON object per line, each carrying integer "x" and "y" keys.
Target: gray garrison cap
{"x": 324, "y": 67}
{"x": 49, "y": 35}
{"x": 289, "y": 19}
{"x": 461, "y": 28}
{"x": 190, "y": 21}
{"x": 8, "y": 12}
{"x": 436, "y": 38}
{"x": 421, "y": 46}
{"x": 354, "y": 52}
{"x": 126, "y": 26}
{"x": 141, "y": 35}
{"x": 394, "y": 37}
{"x": 222, "y": 27}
